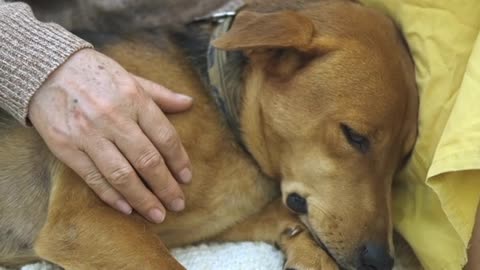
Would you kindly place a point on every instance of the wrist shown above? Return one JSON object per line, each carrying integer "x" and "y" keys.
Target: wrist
{"x": 56, "y": 79}
{"x": 33, "y": 50}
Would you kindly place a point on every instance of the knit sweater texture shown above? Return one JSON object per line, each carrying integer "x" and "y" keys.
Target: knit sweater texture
{"x": 30, "y": 51}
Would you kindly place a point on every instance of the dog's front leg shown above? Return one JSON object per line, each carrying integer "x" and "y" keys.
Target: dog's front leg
{"x": 276, "y": 225}
{"x": 83, "y": 233}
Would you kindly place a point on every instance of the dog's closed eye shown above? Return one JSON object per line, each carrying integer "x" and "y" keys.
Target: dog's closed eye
{"x": 355, "y": 139}
{"x": 297, "y": 203}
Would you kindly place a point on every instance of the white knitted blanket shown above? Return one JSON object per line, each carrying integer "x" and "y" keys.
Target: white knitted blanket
{"x": 228, "y": 256}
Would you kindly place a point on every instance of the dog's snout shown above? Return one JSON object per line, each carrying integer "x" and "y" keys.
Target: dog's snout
{"x": 375, "y": 257}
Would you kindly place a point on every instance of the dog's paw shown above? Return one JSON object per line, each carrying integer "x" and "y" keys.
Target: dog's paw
{"x": 302, "y": 252}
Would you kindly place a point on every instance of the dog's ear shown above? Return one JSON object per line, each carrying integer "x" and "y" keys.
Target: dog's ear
{"x": 284, "y": 29}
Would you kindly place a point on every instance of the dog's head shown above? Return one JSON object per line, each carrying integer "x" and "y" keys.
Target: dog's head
{"x": 330, "y": 108}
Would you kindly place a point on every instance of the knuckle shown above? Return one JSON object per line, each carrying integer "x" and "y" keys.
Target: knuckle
{"x": 105, "y": 109}
{"x": 149, "y": 160}
{"x": 167, "y": 190}
{"x": 93, "y": 178}
{"x": 141, "y": 203}
{"x": 169, "y": 139}
{"x": 130, "y": 90}
{"x": 121, "y": 176}
{"x": 106, "y": 195}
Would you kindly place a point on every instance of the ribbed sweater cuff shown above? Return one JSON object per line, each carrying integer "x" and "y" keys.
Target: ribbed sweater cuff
{"x": 29, "y": 51}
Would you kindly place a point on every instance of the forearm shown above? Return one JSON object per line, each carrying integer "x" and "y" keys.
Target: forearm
{"x": 29, "y": 51}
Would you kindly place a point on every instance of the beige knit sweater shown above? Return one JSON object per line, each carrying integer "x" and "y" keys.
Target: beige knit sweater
{"x": 31, "y": 50}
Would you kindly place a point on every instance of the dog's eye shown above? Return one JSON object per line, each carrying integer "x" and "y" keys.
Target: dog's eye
{"x": 359, "y": 142}
{"x": 297, "y": 203}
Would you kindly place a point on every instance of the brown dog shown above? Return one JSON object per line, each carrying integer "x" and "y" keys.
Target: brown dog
{"x": 327, "y": 116}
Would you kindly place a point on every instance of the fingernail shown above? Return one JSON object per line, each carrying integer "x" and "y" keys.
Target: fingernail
{"x": 156, "y": 215}
{"x": 123, "y": 207}
{"x": 177, "y": 205}
{"x": 184, "y": 97}
{"x": 185, "y": 175}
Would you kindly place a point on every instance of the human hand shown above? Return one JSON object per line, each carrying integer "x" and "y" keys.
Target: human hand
{"x": 106, "y": 125}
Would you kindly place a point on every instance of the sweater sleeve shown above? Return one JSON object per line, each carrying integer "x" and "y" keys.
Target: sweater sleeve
{"x": 29, "y": 51}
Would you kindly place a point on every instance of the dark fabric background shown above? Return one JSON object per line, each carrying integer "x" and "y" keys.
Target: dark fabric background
{"x": 120, "y": 15}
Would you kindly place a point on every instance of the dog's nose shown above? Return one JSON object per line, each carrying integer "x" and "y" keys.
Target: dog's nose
{"x": 375, "y": 257}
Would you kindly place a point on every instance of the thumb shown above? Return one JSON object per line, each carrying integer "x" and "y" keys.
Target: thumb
{"x": 166, "y": 99}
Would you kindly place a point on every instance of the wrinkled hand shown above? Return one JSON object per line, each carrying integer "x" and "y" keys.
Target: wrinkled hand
{"x": 107, "y": 126}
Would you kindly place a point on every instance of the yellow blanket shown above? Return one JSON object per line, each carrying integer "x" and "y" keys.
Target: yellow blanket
{"x": 436, "y": 197}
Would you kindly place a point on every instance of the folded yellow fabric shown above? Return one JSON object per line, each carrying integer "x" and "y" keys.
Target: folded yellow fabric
{"x": 436, "y": 197}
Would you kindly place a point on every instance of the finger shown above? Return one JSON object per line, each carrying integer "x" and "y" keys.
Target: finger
{"x": 123, "y": 178}
{"x": 146, "y": 159}
{"x": 85, "y": 168}
{"x": 163, "y": 135}
{"x": 166, "y": 99}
